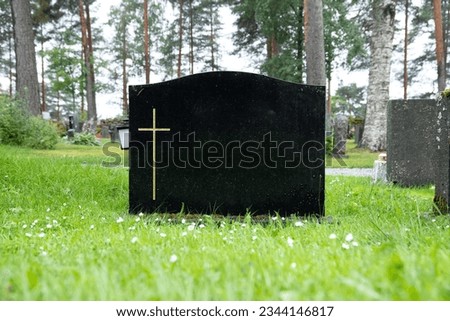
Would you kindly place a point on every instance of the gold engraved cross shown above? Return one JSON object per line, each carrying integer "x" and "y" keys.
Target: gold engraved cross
{"x": 154, "y": 130}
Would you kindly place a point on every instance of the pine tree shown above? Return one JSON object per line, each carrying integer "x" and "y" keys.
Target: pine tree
{"x": 27, "y": 87}
{"x": 381, "y": 47}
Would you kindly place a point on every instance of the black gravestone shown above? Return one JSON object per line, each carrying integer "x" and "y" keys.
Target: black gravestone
{"x": 410, "y": 132}
{"x": 227, "y": 143}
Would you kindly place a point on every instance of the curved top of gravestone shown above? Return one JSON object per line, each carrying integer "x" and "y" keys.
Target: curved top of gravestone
{"x": 230, "y": 76}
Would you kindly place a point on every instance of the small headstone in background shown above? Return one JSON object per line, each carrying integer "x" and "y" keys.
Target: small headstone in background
{"x": 105, "y": 132}
{"x": 227, "y": 143}
{"x": 359, "y": 130}
{"x": 379, "y": 169}
{"x": 71, "y": 130}
{"x": 340, "y": 135}
{"x": 411, "y": 131}
{"x": 441, "y": 155}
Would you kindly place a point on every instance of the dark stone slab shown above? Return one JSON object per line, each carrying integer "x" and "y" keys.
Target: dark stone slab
{"x": 359, "y": 130}
{"x": 227, "y": 143}
{"x": 441, "y": 155}
{"x": 411, "y": 129}
{"x": 340, "y": 135}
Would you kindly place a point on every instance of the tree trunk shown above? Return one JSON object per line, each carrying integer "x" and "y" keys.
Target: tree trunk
{"x": 212, "y": 36}
{"x": 405, "y": 55}
{"x": 383, "y": 14}
{"x": 440, "y": 54}
{"x": 191, "y": 38}
{"x": 10, "y": 62}
{"x": 146, "y": 44}
{"x": 92, "y": 110}
{"x": 44, "y": 104}
{"x": 180, "y": 37}
{"x": 27, "y": 85}
{"x": 124, "y": 74}
{"x": 314, "y": 43}
{"x": 300, "y": 40}
{"x": 88, "y": 60}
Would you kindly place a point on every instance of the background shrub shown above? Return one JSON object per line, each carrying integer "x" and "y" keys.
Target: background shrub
{"x": 41, "y": 134}
{"x": 86, "y": 139}
{"x": 18, "y": 127}
{"x": 13, "y": 122}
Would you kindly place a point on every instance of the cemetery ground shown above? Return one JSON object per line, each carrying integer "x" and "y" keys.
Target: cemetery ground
{"x": 65, "y": 235}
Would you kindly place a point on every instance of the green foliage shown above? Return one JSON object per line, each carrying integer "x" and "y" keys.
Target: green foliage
{"x": 349, "y": 99}
{"x": 13, "y": 122}
{"x": 86, "y": 139}
{"x": 17, "y": 127}
{"x": 41, "y": 134}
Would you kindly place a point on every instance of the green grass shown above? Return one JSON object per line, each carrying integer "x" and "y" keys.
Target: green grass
{"x": 355, "y": 158}
{"x": 65, "y": 235}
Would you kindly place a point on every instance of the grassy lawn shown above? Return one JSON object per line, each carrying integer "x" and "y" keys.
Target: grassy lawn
{"x": 65, "y": 235}
{"x": 355, "y": 158}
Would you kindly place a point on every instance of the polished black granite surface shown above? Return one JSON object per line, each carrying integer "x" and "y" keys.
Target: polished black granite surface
{"x": 227, "y": 143}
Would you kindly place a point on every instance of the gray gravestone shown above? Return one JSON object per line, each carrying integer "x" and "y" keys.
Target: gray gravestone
{"x": 227, "y": 143}
{"x": 359, "y": 130}
{"x": 441, "y": 155}
{"x": 340, "y": 135}
{"x": 411, "y": 129}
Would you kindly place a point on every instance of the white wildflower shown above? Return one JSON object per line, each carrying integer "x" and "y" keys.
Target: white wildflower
{"x": 355, "y": 244}
{"x": 293, "y": 265}
{"x": 290, "y": 242}
{"x": 120, "y": 220}
{"x": 41, "y": 235}
{"x": 254, "y": 237}
{"x": 332, "y": 236}
{"x": 173, "y": 258}
{"x": 92, "y": 227}
{"x": 191, "y": 227}
{"x": 184, "y": 234}
{"x": 134, "y": 239}
{"x": 163, "y": 234}
{"x": 299, "y": 224}
{"x": 349, "y": 237}
{"x": 141, "y": 214}
{"x": 28, "y": 235}
{"x": 345, "y": 246}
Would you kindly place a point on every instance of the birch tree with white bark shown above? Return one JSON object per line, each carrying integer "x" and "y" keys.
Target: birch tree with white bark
{"x": 381, "y": 46}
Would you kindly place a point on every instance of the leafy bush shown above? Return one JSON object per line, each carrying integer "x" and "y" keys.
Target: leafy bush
{"x": 41, "y": 134}
{"x": 13, "y": 122}
{"x": 18, "y": 127}
{"x": 86, "y": 139}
